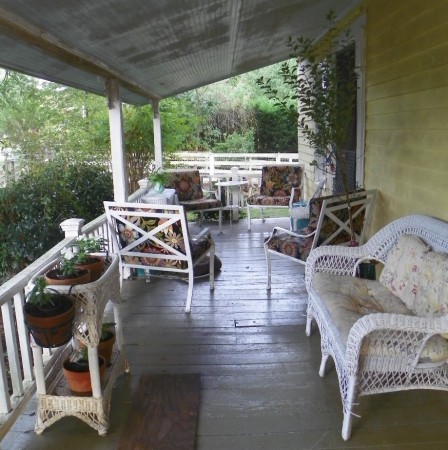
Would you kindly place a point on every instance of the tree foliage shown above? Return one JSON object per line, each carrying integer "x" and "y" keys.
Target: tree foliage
{"x": 325, "y": 89}
{"x": 62, "y": 136}
{"x": 32, "y": 208}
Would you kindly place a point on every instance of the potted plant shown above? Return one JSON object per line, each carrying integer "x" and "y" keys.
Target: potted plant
{"x": 48, "y": 315}
{"x": 77, "y": 373}
{"x": 67, "y": 273}
{"x": 159, "y": 179}
{"x": 83, "y": 258}
{"x": 320, "y": 96}
{"x": 107, "y": 341}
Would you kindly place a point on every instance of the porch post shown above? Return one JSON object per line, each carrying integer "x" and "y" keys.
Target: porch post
{"x": 117, "y": 141}
{"x": 157, "y": 134}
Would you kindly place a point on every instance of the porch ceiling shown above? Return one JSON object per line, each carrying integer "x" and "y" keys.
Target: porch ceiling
{"x": 155, "y": 48}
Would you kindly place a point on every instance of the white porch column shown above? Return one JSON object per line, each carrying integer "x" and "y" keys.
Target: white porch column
{"x": 157, "y": 134}
{"x": 117, "y": 141}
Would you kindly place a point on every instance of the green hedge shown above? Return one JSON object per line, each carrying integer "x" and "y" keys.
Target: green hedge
{"x": 32, "y": 208}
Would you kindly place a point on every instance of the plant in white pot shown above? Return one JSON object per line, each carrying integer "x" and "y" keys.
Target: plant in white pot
{"x": 158, "y": 180}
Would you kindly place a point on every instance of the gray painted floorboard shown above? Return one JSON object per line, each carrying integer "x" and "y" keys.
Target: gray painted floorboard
{"x": 260, "y": 383}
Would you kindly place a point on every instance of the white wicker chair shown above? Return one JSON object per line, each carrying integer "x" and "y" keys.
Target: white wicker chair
{"x": 362, "y": 371}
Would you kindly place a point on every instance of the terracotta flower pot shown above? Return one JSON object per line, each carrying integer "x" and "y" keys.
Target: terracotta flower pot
{"x": 51, "y": 327}
{"x": 55, "y": 277}
{"x": 105, "y": 347}
{"x": 78, "y": 376}
{"x": 95, "y": 265}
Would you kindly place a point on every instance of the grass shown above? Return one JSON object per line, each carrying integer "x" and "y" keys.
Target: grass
{"x": 255, "y": 214}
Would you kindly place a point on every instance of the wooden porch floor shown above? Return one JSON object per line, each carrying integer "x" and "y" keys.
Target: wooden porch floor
{"x": 260, "y": 384}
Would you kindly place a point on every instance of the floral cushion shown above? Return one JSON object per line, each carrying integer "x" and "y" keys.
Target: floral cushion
{"x": 349, "y": 298}
{"x": 418, "y": 276}
{"x": 187, "y": 185}
{"x": 171, "y": 235}
{"x": 401, "y": 271}
{"x": 189, "y": 191}
{"x": 276, "y": 185}
{"x": 431, "y": 299}
{"x": 199, "y": 204}
{"x": 293, "y": 246}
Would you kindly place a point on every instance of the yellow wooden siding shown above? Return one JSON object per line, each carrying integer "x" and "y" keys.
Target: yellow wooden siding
{"x": 407, "y": 107}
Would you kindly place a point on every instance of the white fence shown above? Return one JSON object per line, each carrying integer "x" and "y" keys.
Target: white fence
{"x": 220, "y": 164}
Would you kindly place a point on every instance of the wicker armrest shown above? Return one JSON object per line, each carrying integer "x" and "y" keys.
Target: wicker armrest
{"x": 406, "y": 333}
{"x": 335, "y": 259}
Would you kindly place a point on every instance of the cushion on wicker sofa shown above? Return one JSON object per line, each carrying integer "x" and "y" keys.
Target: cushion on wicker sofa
{"x": 402, "y": 269}
{"x": 349, "y": 298}
{"x": 418, "y": 276}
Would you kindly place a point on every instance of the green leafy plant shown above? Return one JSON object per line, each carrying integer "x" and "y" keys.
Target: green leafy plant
{"x": 158, "y": 176}
{"x": 325, "y": 89}
{"x": 39, "y": 295}
{"x": 67, "y": 264}
{"x": 106, "y": 330}
{"x": 30, "y": 217}
{"x": 86, "y": 245}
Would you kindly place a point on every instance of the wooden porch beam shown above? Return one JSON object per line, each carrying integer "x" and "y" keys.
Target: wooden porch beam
{"x": 157, "y": 134}
{"x": 33, "y": 36}
{"x": 119, "y": 172}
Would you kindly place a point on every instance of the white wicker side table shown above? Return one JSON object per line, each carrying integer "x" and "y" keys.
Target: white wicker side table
{"x": 54, "y": 398}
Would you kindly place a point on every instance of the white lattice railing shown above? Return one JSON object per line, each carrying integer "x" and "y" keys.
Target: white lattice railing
{"x": 16, "y": 363}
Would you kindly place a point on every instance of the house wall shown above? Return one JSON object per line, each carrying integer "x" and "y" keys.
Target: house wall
{"x": 406, "y": 147}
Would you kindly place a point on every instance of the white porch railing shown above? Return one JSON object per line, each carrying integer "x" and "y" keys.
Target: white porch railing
{"x": 17, "y": 383}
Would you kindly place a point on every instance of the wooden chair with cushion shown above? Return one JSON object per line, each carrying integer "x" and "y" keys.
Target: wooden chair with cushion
{"x": 280, "y": 187}
{"x": 156, "y": 237}
{"x": 190, "y": 194}
{"x": 328, "y": 225}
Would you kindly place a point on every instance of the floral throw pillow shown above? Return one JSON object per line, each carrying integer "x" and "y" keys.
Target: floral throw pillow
{"x": 432, "y": 293}
{"x": 402, "y": 269}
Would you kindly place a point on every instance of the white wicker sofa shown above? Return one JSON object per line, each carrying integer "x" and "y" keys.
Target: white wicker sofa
{"x": 384, "y": 335}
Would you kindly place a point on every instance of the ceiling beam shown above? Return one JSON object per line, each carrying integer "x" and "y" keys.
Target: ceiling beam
{"x": 25, "y": 32}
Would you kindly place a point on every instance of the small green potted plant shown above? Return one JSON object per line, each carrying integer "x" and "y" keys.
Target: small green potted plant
{"x": 49, "y": 315}
{"x": 83, "y": 258}
{"x": 77, "y": 372}
{"x": 107, "y": 341}
{"x": 159, "y": 179}
{"x": 67, "y": 273}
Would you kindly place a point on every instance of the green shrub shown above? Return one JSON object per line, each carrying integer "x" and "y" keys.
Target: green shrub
{"x": 32, "y": 208}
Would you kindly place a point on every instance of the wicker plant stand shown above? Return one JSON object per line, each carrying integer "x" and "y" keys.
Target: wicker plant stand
{"x": 54, "y": 398}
